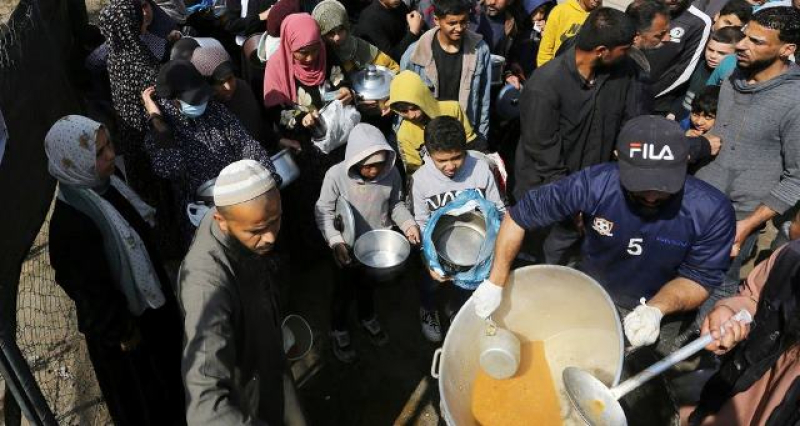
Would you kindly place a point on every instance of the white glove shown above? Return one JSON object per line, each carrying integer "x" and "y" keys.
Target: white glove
{"x": 487, "y": 298}
{"x": 643, "y": 325}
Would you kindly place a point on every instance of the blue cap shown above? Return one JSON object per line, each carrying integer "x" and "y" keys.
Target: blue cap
{"x": 532, "y": 5}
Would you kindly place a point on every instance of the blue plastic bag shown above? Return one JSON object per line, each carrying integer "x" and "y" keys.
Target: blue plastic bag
{"x": 470, "y": 279}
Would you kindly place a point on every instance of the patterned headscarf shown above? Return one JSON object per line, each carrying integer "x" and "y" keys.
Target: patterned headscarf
{"x": 132, "y": 67}
{"x": 297, "y": 31}
{"x": 208, "y": 60}
{"x": 70, "y": 146}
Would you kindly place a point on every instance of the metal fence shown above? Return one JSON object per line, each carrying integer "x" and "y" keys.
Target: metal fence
{"x": 47, "y": 335}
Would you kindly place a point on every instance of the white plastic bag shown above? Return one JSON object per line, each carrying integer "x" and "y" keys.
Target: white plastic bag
{"x": 338, "y": 120}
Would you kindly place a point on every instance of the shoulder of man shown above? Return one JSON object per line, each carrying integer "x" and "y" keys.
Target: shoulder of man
{"x": 688, "y": 24}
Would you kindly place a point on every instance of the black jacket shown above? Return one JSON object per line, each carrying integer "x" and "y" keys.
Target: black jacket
{"x": 566, "y": 123}
{"x": 673, "y": 63}
{"x": 387, "y": 29}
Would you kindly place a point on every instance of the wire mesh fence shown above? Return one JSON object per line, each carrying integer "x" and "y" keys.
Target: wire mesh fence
{"x": 48, "y": 336}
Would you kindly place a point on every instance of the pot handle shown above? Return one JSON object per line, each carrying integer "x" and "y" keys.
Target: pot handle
{"x": 437, "y": 357}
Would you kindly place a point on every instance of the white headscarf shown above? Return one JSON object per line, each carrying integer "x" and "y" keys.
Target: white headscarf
{"x": 71, "y": 152}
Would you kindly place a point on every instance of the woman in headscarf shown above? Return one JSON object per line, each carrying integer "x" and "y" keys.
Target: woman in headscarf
{"x": 299, "y": 80}
{"x": 215, "y": 65}
{"x": 132, "y": 67}
{"x": 352, "y": 52}
{"x": 105, "y": 260}
{"x": 193, "y": 137}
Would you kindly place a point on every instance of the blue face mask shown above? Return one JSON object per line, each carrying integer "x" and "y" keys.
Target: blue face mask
{"x": 192, "y": 111}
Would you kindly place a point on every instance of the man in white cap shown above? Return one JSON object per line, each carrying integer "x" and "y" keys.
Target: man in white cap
{"x": 234, "y": 367}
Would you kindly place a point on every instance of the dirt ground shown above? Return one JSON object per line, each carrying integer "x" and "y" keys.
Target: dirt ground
{"x": 388, "y": 385}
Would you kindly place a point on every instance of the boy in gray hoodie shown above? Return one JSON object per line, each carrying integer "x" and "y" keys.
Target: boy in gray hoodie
{"x": 448, "y": 170}
{"x": 369, "y": 181}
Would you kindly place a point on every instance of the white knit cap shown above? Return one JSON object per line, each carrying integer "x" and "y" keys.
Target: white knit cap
{"x": 242, "y": 181}
{"x": 378, "y": 157}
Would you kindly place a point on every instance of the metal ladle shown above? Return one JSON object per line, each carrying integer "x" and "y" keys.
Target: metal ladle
{"x": 599, "y": 405}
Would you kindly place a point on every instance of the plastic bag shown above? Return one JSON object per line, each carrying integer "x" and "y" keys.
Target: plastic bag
{"x": 468, "y": 200}
{"x": 338, "y": 120}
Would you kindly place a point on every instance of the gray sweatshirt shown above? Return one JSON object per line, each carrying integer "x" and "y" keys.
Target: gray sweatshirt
{"x": 432, "y": 189}
{"x": 376, "y": 203}
{"x": 759, "y": 124}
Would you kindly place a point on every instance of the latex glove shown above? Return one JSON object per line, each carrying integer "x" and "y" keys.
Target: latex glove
{"x": 487, "y": 298}
{"x": 643, "y": 325}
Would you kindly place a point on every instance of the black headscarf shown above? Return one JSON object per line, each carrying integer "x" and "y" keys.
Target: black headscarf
{"x": 132, "y": 67}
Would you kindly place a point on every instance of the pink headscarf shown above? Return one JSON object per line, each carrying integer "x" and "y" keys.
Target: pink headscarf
{"x": 297, "y": 31}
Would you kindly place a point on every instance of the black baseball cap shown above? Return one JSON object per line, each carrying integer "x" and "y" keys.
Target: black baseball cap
{"x": 653, "y": 155}
{"x": 179, "y": 79}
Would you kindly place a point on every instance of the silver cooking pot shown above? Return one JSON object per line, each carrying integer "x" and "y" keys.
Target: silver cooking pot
{"x": 373, "y": 83}
{"x": 563, "y": 307}
{"x": 458, "y": 241}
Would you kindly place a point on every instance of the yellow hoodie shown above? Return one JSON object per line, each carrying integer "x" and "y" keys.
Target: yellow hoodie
{"x": 564, "y": 22}
{"x": 408, "y": 87}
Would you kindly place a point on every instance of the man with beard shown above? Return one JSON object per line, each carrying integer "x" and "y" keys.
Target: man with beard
{"x": 673, "y": 63}
{"x": 652, "y": 233}
{"x": 571, "y": 111}
{"x": 234, "y": 367}
{"x": 758, "y": 118}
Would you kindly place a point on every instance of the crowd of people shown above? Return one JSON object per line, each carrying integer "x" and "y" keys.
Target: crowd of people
{"x": 647, "y": 148}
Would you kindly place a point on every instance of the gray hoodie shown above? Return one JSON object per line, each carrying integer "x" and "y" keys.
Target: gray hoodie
{"x": 432, "y": 189}
{"x": 376, "y": 203}
{"x": 759, "y": 124}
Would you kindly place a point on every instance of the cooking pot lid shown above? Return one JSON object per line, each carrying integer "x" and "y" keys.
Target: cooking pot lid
{"x": 347, "y": 221}
{"x": 507, "y": 102}
{"x": 373, "y": 83}
{"x": 205, "y": 192}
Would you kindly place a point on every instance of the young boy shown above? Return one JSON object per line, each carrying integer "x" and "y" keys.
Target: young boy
{"x": 704, "y": 112}
{"x": 735, "y": 13}
{"x": 564, "y": 22}
{"x": 721, "y": 44}
{"x": 368, "y": 180}
{"x": 413, "y": 102}
{"x": 448, "y": 170}
{"x": 455, "y": 62}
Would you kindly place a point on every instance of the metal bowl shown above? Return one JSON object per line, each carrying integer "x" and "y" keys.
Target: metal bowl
{"x": 383, "y": 253}
{"x": 458, "y": 240}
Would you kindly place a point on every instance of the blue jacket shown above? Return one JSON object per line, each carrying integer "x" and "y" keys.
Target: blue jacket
{"x": 476, "y": 75}
{"x": 633, "y": 257}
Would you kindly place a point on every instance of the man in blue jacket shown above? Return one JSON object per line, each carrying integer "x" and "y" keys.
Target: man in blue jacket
{"x": 651, "y": 232}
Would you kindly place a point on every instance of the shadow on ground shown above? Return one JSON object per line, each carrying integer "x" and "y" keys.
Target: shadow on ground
{"x": 386, "y": 386}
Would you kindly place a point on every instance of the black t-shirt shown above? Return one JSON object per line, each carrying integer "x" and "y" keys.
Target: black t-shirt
{"x": 448, "y": 65}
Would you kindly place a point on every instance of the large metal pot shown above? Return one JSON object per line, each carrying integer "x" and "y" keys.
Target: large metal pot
{"x": 458, "y": 240}
{"x": 383, "y": 253}
{"x": 286, "y": 167}
{"x": 565, "y": 308}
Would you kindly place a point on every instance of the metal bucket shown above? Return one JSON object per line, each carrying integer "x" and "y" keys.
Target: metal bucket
{"x": 286, "y": 167}
{"x": 565, "y": 308}
{"x": 383, "y": 253}
{"x": 498, "y": 66}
